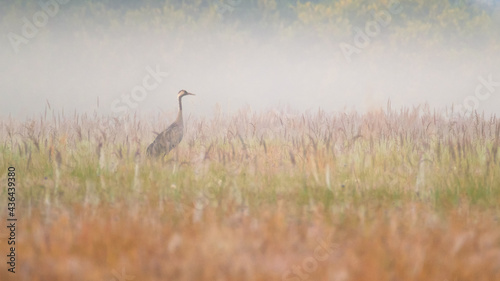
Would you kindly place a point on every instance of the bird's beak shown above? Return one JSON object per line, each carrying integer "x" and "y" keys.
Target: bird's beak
{"x": 191, "y": 94}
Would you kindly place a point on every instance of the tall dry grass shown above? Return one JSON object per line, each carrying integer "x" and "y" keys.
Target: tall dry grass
{"x": 277, "y": 195}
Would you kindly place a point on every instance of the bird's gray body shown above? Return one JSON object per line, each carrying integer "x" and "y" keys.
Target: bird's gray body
{"x": 166, "y": 141}
{"x": 171, "y": 137}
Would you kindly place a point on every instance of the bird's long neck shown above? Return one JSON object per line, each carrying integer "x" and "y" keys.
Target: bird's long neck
{"x": 179, "y": 114}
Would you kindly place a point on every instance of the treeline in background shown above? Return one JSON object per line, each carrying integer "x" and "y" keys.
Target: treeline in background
{"x": 417, "y": 23}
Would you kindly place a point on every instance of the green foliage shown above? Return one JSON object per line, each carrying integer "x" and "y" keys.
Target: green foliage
{"x": 423, "y": 22}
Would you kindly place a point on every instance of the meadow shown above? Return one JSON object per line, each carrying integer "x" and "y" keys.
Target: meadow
{"x": 392, "y": 194}
{"x": 278, "y": 194}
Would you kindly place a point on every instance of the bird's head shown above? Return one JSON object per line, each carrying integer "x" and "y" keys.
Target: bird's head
{"x": 183, "y": 93}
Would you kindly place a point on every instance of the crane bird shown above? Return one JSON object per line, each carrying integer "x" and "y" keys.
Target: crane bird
{"x": 172, "y": 136}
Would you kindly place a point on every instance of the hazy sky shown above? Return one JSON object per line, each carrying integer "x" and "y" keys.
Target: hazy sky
{"x": 142, "y": 70}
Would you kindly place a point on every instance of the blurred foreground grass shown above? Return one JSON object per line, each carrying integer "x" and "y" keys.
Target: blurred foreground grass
{"x": 278, "y": 195}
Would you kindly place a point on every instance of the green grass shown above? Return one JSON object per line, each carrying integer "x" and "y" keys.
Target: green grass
{"x": 389, "y": 187}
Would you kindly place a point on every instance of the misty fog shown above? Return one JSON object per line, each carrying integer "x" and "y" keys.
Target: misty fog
{"x": 231, "y": 66}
